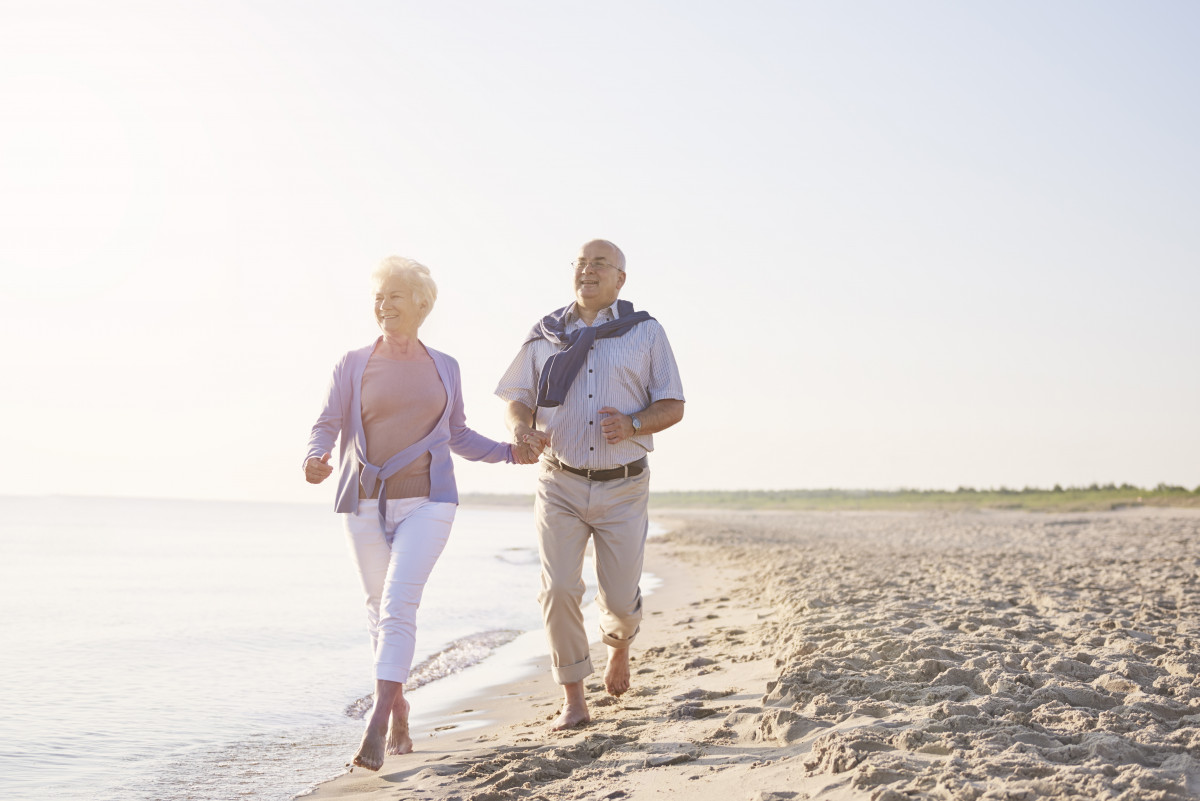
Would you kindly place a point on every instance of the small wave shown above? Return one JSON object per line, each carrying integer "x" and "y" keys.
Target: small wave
{"x": 519, "y": 556}
{"x": 359, "y": 707}
{"x": 455, "y": 657}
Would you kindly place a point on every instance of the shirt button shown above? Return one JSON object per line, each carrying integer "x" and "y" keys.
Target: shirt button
{"x": 591, "y": 449}
{"x": 589, "y": 396}
{"x": 589, "y": 422}
{"x": 589, "y": 369}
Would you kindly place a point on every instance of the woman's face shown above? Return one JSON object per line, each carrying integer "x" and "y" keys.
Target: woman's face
{"x": 395, "y": 310}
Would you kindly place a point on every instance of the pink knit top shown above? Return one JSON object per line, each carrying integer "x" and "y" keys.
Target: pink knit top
{"x": 402, "y": 401}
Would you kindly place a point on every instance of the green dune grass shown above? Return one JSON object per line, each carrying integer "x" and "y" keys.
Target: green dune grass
{"x": 1071, "y": 499}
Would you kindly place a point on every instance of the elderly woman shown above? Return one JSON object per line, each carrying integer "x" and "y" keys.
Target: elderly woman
{"x": 397, "y": 407}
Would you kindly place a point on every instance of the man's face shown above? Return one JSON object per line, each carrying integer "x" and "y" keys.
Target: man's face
{"x": 597, "y": 279}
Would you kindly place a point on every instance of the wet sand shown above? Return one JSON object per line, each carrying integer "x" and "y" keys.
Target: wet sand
{"x": 880, "y": 656}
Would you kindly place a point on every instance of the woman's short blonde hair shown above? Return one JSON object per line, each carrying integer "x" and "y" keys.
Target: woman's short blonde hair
{"x": 415, "y": 277}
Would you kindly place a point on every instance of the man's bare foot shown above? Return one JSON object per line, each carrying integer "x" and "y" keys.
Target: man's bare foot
{"x": 570, "y": 717}
{"x": 574, "y": 712}
{"x": 370, "y": 752}
{"x": 616, "y": 675}
{"x": 399, "y": 740}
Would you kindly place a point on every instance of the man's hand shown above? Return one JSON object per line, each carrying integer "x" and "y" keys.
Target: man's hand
{"x": 317, "y": 470}
{"x": 615, "y": 426}
{"x": 528, "y": 444}
{"x": 524, "y": 454}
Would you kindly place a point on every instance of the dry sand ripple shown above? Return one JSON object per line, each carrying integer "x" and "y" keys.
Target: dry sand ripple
{"x": 996, "y": 655}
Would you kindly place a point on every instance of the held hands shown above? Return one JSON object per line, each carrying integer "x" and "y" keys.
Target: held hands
{"x": 615, "y": 426}
{"x": 317, "y": 470}
{"x": 528, "y": 444}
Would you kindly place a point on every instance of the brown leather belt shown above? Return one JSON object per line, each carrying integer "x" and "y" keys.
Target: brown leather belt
{"x": 627, "y": 471}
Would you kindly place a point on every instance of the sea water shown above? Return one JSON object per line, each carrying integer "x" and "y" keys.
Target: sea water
{"x": 164, "y": 650}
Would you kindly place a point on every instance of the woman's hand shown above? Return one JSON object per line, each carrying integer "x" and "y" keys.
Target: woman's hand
{"x": 317, "y": 470}
{"x": 529, "y": 444}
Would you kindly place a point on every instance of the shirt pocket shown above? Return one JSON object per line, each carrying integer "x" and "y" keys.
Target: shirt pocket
{"x": 632, "y": 371}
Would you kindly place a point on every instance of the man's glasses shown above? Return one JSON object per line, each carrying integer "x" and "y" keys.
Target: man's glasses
{"x": 579, "y": 265}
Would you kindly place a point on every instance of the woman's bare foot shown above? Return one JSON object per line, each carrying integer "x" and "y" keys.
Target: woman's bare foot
{"x": 616, "y": 675}
{"x": 389, "y": 696}
{"x": 574, "y": 712}
{"x": 370, "y": 752}
{"x": 399, "y": 740}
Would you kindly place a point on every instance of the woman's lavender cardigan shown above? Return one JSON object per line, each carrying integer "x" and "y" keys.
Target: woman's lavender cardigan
{"x": 342, "y": 416}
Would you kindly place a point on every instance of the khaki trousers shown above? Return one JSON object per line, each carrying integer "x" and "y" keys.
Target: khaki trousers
{"x": 570, "y": 509}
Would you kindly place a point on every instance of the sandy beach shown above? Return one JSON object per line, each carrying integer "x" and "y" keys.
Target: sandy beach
{"x": 881, "y": 656}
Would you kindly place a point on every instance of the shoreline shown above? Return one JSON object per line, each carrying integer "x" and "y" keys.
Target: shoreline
{"x": 480, "y": 696}
{"x": 511, "y": 693}
{"x": 866, "y": 656}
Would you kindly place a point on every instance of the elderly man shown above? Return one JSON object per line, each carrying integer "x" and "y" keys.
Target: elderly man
{"x": 592, "y": 383}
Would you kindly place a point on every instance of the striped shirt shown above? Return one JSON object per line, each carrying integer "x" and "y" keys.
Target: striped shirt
{"x": 628, "y": 373}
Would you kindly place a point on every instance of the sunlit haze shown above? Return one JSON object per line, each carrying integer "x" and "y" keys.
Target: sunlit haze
{"x": 893, "y": 244}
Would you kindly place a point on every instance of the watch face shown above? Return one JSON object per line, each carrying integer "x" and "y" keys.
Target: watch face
{"x": 637, "y": 424}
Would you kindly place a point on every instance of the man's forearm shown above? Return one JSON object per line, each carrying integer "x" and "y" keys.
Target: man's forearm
{"x": 528, "y": 442}
{"x": 519, "y": 417}
{"x": 660, "y": 415}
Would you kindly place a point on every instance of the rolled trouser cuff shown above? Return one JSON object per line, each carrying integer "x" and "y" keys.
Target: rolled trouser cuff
{"x": 569, "y": 674}
{"x": 618, "y": 642}
{"x": 396, "y": 673}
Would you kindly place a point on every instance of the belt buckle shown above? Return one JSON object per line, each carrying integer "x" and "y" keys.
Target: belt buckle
{"x": 588, "y": 475}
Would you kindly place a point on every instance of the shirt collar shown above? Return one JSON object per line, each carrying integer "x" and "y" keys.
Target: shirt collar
{"x": 603, "y": 316}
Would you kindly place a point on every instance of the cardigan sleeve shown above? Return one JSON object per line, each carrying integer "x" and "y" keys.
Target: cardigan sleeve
{"x": 465, "y": 441}
{"x": 325, "y": 431}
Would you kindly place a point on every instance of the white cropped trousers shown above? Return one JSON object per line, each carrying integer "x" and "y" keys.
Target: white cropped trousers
{"x": 394, "y": 576}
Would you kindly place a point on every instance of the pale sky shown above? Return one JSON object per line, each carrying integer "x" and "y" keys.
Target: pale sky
{"x": 893, "y": 244}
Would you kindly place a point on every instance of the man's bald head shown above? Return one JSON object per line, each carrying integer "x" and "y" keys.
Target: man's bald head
{"x": 616, "y": 257}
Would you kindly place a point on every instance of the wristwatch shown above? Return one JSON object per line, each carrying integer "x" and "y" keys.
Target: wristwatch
{"x": 637, "y": 424}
